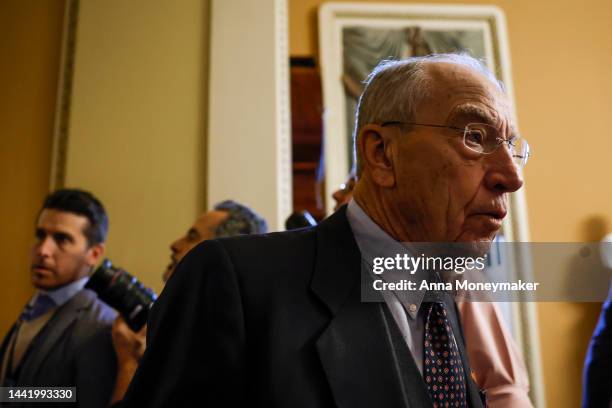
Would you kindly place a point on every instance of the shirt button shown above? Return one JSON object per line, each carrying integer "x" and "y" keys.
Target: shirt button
{"x": 412, "y": 308}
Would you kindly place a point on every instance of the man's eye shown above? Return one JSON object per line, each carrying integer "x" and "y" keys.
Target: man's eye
{"x": 60, "y": 238}
{"x": 475, "y": 137}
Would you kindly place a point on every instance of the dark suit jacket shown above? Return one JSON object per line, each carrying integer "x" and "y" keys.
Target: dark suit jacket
{"x": 598, "y": 363}
{"x": 74, "y": 349}
{"x": 276, "y": 321}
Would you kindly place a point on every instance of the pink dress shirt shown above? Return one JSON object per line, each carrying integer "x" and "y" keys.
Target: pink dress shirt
{"x": 494, "y": 357}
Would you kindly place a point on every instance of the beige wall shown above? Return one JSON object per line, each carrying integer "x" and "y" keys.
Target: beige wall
{"x": 29, "y": 60}
{"x": 561, "y": 52}
{"x": 138, "y": 123}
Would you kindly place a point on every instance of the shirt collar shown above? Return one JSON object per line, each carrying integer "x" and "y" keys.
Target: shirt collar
{"x": 65, "y": 293}
{"x": 373, "y": 242}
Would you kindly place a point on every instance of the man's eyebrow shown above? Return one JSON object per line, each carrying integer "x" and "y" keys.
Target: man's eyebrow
{"x": 56, "y": 234}
{"x": 477, "y": 112}
{"x": 481, "y": 115}
{"x": 63, "y": 235}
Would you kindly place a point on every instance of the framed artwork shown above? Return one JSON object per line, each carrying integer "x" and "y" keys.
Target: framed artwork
{"x": 353, "y": 39}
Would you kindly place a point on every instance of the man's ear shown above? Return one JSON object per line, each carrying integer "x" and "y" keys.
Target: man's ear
{"x": 95, "y": 254}
{"x": 375, "y": 150}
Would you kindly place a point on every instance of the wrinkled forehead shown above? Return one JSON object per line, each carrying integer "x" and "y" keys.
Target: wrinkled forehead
{"x": 458, "y": 94}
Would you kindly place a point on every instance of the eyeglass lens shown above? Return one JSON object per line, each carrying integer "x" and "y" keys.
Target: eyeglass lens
{"x": 483, "y": 138}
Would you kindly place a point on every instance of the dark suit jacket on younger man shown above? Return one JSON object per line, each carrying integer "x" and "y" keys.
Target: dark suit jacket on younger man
{"x": 74, "y": 349}
{"x": 276, "y": 321}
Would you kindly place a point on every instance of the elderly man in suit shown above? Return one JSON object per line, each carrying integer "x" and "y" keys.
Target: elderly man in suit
{"x": 62, "y": 337}
{"x": 278, "y": 320}
{"x": 497, "y": 364}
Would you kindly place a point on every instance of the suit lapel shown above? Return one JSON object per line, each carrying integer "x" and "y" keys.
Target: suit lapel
{"x": 355, "y": 350}
{"x": 44, "y": 341}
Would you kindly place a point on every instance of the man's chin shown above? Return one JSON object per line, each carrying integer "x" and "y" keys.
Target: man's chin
{"x": 478, "y": 235}
{"x": 475, "y": 244}
{"x": 43, "y": 283}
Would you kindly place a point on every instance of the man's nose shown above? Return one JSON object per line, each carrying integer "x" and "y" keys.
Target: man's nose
{"x": 175, "y": 246}
{"x": 504, "y": 174}
{"x": 337, "y": 196}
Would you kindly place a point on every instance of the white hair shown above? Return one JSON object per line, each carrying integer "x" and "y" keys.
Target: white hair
{"x": 395, "y": 89}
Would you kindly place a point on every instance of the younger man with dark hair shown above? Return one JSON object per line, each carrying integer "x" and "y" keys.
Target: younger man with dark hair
{"x": 62, "y": 337}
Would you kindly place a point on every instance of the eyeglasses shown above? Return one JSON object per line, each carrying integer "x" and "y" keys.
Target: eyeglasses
{"x": 482, "y": 138}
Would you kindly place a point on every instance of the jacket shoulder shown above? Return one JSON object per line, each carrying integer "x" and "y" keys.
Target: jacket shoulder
{"x": 271, "y": 244}
{"x": 94, "y": 317}
{"x": 267, "y": 260}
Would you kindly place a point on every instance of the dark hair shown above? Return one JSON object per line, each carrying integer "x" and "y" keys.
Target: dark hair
{"x": 83, "y": 203}
{"x": 241, "y": 220}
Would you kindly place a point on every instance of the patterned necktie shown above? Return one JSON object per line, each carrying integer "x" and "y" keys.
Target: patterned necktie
{"x": 41, "y": 305}
{"x": 442, "y": 368}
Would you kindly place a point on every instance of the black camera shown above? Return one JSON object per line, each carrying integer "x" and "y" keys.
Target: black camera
{"x": 300, "y": 220}
{"x": 123, "y": 292}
